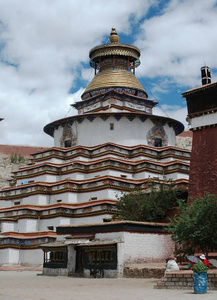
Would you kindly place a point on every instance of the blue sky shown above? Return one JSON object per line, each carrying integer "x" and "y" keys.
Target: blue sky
{"x": 44, "y": 62}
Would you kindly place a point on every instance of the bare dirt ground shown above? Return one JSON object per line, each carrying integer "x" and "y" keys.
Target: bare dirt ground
{"x": 26, "y": 285}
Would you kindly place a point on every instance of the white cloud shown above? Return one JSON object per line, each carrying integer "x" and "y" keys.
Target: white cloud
{"x": 179, "y": 41}
{"x": 175, "y": 112}
{"x": 47, "y": 40}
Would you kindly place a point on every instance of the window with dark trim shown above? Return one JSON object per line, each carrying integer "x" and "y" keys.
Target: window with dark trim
{"x": 101, "y": 257}
{"x": 55, "y": 258}
{"x": 158, "y": 142}
{"x": 50, "y": 227}
{"x": 68, "y": 144}
{"x": 111, "y": 126}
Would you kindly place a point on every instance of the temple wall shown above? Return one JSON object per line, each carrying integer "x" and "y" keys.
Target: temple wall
{"x": 107, "y": 172}
{"x": 125, "y": 132}
{"x": 31, "y": 257}
{"x": 9, "y": 256}
{"x": 37, "y": 225}
{"x": 203, "y": 165}
{"x": 27, "y": 225}
{"x": 71, "y": 259}
{"x": 8, "y": 226}
{"x": 72, "y": 197}
{"x": 45, "y": 178}
{"x": 140, "y": 247}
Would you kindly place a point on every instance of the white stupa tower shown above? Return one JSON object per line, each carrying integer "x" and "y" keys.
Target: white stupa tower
{"x": 113, "y": 145}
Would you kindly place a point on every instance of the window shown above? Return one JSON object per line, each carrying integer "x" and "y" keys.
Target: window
{"x": 16, "y": 202}
{"x": 55, "y": 258}
{"x": 60, "y": 200}
{"x": 111, "y": 126}
{"x": 100, "y": 257}
{"x": 124, "y": 176}
{"x": 68, "y": 144}
{"x": 50, "y": 227}
{"x": 158, "y": 142}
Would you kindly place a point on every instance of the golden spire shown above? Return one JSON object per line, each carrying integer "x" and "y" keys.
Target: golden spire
{"x": 114, "y": 38}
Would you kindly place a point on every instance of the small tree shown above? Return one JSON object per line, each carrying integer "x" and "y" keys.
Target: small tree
{"x": 195, "y": 227}
{"x": 17, "y": 158}
{"x": 151, "y": 204}
{"x": 21, "y": 159}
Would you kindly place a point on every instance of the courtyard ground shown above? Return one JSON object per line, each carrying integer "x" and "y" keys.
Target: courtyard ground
{"x": 27, "y": 285}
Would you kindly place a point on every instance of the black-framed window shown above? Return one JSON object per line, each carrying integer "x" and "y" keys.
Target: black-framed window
{"x": 158, "y": 142}
{"x": 68, "y": 144}
{"x": 55, "y": 258}
{"x": 101, "y": 257}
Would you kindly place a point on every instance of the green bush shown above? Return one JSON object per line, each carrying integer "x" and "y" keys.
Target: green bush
{"x": 200, "y": 268}
{"x": 21, "y": 159}
{"x": 151, "y": 204}
{"x": 16, "y": 158}
{"x": 194, "y": 228}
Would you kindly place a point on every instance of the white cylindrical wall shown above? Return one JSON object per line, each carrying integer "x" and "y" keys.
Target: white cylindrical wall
{"x": 125, "y": 132}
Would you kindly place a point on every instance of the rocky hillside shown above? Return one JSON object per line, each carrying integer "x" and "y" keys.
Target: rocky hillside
{"x": 184, "y": 140}
{"x": 12, "y": 158}
{"x": 6, "y": 168}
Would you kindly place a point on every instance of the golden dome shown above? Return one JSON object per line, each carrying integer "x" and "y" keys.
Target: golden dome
{"x": 114, "y": 78}
{"x": 114, "y": 63}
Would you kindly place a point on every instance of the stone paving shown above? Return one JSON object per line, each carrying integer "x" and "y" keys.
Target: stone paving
{"x": 27, "y": 285}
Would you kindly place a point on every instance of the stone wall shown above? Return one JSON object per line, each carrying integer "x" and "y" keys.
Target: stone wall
{"x": 144, "y": 271}
{"x": 185, "y": 280}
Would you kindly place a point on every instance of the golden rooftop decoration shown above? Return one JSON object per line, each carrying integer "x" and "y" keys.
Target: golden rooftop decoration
{"x": 110, "y": 78}
{"x": 115, "y": 63}
{"x": 115, "y": 49}
{"x": 114, "y": 38}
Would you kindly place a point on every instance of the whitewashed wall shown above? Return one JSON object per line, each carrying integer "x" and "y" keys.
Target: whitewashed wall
{"x": 149, "y": 247}
{"x": 32, "y": 257}
{"x": 8, "y": 226}
{"x": 27, "y": 225}
{"x": 9, "y": 256}
{"x": 129, "y": 133}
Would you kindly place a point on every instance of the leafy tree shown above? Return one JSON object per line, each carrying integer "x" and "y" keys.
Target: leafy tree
{"x": 150, "y": 205}
{"x": 195, "y": 227}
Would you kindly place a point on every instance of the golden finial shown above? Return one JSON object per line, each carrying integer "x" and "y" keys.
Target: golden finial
{"x": 114, "y": 38}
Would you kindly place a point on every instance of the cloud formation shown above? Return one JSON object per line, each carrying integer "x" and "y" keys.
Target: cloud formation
{"x": 44, "y": 48}
{"x": 179, "y": 41}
